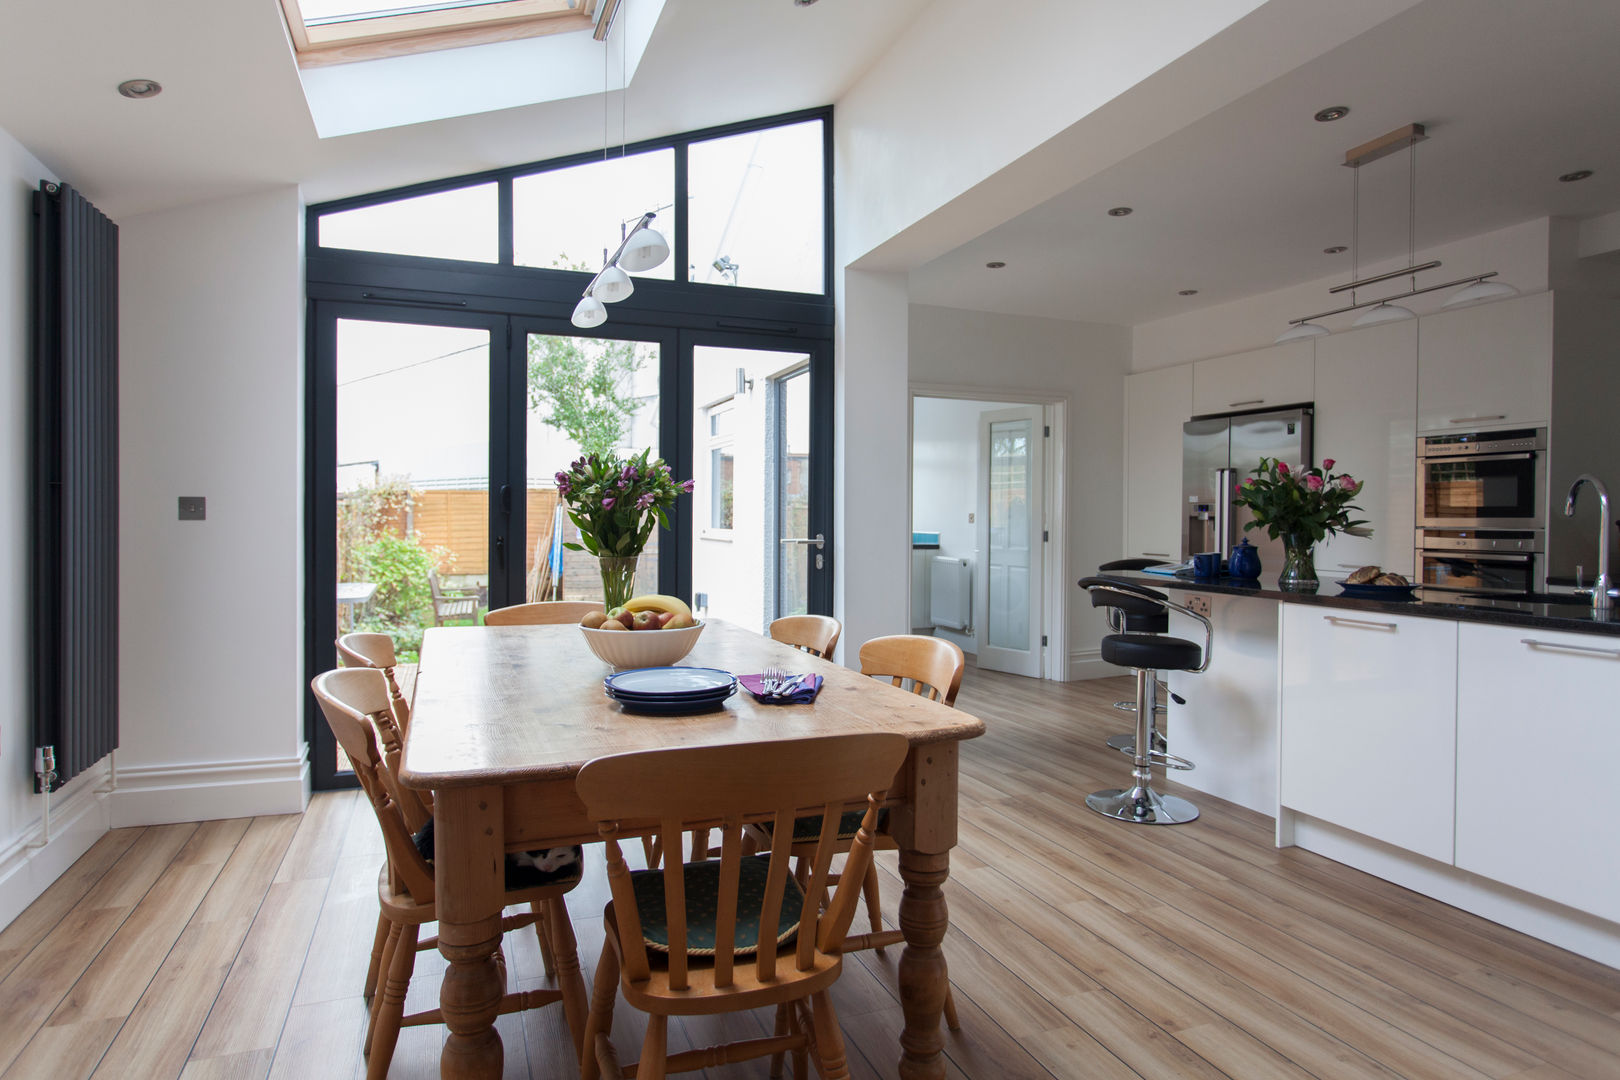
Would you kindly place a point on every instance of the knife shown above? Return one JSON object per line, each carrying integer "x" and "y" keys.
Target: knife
{"x": 789, "y": 688}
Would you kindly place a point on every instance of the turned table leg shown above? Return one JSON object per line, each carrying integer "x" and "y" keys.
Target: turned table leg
{"x": 923, "y": 977}
{"x": 469, "y": 864}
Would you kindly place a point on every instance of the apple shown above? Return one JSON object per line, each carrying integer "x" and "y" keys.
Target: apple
{"x": 593, "y": 619}
{"x": 624, "y": 616}
{"x": 644, "y": 620}
{"x": 663, "y": 618}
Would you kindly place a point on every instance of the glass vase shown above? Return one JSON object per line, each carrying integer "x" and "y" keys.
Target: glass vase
{"x": 618, "y": 579}
{"x": 1299, "y": 565}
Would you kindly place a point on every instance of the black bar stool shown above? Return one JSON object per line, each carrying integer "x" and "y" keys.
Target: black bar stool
{"x": 1144, "y": 619}
{"x": 1147, "y": 654}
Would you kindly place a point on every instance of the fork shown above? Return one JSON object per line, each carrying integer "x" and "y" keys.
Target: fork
{"x": 771, "y": 679}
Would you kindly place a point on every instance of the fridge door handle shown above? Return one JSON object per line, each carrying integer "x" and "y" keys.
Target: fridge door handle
{"x": 1223, "y": 509}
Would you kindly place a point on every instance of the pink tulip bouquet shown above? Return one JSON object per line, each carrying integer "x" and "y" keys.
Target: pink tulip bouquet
{"x": 1307, "y": 504}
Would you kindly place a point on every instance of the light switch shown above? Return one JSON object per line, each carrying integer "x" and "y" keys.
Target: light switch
{"x": 193, "y": 508}
{"x": 970, "y": 519}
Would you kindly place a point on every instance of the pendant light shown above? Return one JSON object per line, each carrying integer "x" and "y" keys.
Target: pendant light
{"x": 1479, "y": 292}
{"x": 1385, "y": 311}
{"x": 645, "y": 249}
{"x": 588, "y": 312}
{"x": 612, "y": 285}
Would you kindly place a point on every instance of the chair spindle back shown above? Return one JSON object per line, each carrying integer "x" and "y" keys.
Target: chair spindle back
{"x": 726, "y": 787}
{"x": 815, "y": 634}
{"x": 932, "y": 665}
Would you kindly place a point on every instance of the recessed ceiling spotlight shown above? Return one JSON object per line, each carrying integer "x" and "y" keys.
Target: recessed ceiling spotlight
{"x": 803, "y": 3}
{"x": 1120, "y": 211}
{"x": 1336, "y": 249}
{"x": 1188, "y": 292}
{"x": 1332, "y": 112}
{"x": 1578, "y": 174}
{"x": 996, "y": 265}
{"x": 140, "y": 88}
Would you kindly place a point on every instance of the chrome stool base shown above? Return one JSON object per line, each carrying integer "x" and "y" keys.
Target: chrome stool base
{"x": 1125, "y": 742}
{"x": 1142, "y": 806}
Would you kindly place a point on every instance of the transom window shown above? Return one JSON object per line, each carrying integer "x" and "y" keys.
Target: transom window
{"x": 339, "y": 31}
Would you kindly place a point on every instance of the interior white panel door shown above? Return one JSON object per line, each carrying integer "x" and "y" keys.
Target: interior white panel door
{"x": 1008, "y": 585}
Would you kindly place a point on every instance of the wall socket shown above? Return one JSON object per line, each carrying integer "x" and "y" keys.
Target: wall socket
{"x": 1200, "y": 603}
{"x": 193, "y": 508}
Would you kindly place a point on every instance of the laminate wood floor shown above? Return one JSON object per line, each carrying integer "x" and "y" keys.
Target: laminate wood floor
{"x": 1078, "y": 948}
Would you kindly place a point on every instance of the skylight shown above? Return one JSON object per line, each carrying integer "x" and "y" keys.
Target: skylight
{"x": 342, "y": 31}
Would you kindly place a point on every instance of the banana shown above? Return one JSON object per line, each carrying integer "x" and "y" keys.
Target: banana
{"x": 661, "y": 602}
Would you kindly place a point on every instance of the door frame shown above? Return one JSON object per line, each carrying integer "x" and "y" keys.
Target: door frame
{"x": 820, "y": 354}
{"x": 1055, "y": 567}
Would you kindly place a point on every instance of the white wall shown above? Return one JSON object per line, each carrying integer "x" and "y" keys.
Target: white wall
{"x": 79, "y": 816}
{"x": 1085, "y": 361}
{"x": 1519, "y": 253}
{"x": 211, "y": 617}
{"x": 944, "y": 482}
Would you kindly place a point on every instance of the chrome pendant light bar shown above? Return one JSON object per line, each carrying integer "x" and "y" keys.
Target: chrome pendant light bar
{"x": 1383, "y": 309}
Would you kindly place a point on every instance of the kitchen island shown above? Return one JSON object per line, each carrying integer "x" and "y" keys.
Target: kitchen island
{"x": 1462, "y": 747}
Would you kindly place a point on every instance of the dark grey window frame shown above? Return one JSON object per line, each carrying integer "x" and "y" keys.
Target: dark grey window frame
{"x": 513, "y": 301}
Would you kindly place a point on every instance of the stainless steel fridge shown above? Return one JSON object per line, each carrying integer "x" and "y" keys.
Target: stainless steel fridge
{"x": 1217, "y": 453}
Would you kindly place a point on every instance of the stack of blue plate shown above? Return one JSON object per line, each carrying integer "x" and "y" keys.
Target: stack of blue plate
{"x": 670, "y": 691}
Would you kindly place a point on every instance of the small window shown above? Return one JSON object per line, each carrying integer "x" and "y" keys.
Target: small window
{"x": 340, "y": 31}
{"x": 459, "y": 224}
{"x": 756, "y": 209}
{"x": 563, "y": 218}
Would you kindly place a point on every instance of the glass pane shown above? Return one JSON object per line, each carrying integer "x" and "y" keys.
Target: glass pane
{"x": 412, "y": 479}
{"x": 460, "y": 224}
{"x": 721, "y": 476}
{"x": 564, "y": 218}
{"x": 1009, "y": 555}
{"x": 318, "y": 10}
{"x": 755, "y": 210}
{"x": 586, "y": 395}
{"x": 738, "y": 569}
{"x": 793, "y": 493}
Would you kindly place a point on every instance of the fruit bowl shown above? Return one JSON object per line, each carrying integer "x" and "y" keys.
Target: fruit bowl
{"x": 642, "y": 648}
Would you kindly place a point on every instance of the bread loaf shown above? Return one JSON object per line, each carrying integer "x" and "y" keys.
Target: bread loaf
{"x": 1363, "y": 576}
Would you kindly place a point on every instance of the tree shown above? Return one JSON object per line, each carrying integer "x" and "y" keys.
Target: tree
{"x": 586, "y": 387}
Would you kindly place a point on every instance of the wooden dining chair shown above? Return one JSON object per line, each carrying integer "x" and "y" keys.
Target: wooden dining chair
{"x": 923, "y": 665}
{"x": 363, "y": 649}
{"x": 740, "y": 932}
{"x": 541, "y": 613}
{"x": 815, "y": 634}
{"x": 354, "y": 700}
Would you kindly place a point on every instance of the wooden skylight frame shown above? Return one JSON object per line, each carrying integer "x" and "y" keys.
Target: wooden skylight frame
{"x": 425, "y": 27}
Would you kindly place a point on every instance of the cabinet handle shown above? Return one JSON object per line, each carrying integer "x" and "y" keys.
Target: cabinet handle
{"x": 1534, "y": 644}
{"x": 1240, "y": 404}
{"x": 1155, "y": 554}
{"x": 1340, "y": 620}
{"x": 1475, "y": 419}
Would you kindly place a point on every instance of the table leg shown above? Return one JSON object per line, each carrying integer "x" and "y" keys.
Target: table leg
{"x": 923, "y": 977}
{"x": 469, "y": 864}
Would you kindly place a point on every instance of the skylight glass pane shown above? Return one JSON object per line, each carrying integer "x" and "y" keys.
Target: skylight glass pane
{"x": 459, "y": 224}
{"x": 756, "y": 209}
{"x": 315, "y": 11}
{"x": 565, "y": 217}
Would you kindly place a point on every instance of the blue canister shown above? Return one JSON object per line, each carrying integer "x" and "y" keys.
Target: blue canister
{"x": 1245, "y": 561}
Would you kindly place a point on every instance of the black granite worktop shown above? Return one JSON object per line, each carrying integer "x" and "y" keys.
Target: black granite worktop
{"x": 1428, "y": 603}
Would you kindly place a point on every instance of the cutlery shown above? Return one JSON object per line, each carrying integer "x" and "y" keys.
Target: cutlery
{"x": 790, "y": 687}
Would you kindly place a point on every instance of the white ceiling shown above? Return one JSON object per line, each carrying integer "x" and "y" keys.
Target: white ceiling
{"x": 1243, "y": 202}
{"x": 232, "y": 116}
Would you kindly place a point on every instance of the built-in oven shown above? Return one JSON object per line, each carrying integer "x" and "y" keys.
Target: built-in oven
{"x": 1488, "y": 480}
{"x": 1481, "y": 560}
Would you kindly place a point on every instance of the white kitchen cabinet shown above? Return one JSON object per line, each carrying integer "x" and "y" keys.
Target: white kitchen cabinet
{"x": 1368, "y": 724}
{"x": 1265, "y": 378}
{"x": 1157, "y": 403}
{"x": 1486, "y": 367}
{"x": 1366, "y": 421}
{"x": 1538, "y": 735}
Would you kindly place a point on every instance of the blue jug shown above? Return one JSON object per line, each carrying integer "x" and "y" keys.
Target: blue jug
{"x": 1245, "y": 561}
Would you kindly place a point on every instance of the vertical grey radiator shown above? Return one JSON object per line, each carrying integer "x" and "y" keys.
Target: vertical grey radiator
{"x": 74, "y": 491}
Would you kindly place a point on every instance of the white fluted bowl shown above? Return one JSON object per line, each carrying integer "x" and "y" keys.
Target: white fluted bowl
{"x": 642, "y": 648}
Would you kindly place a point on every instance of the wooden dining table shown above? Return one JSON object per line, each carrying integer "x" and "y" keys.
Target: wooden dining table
{"x": 505, "y": 717}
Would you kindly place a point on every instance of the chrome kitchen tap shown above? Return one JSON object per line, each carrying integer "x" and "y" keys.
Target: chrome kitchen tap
{"x": 1601, "y": 600}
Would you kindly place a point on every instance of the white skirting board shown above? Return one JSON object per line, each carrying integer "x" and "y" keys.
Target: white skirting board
{"x": 1089, "y": 664}
{"x": 79, "y": 817}
{"x": 207, "y": 791}
{"x": 1577, "y": 931}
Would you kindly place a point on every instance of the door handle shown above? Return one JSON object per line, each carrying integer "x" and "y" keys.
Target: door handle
{"x": 819, "y": 541}
{"x": 500, "y": 551}
{"x": 1475, "y": 419}
{"x": 1339, "y": 620}
{"x": 506, "y": 498}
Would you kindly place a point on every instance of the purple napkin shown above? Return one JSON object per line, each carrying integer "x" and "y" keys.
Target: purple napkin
{"x": 804, "y": 695}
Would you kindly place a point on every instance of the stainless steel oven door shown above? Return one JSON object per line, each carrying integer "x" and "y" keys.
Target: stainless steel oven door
{"x": 1482, "y": 491}
{"x": 1468, "y": 571}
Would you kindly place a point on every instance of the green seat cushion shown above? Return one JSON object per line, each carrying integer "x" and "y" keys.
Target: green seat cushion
{"x": 703, "y": 906}
{"x": 808, "y": 828}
